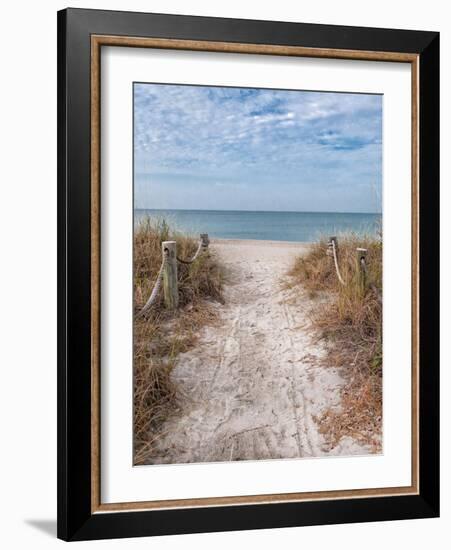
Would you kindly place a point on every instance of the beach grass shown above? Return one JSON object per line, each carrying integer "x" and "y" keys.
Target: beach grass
{"x": 348, "y": 318}
{"x": 161, "y": 335}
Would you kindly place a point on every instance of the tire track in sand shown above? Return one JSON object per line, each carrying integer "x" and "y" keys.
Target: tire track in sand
{"x": 252, "y": 387}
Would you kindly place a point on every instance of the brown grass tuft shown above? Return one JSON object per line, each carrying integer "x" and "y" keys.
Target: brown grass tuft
{"x": 161, "y": 335}
{"x": 350, "y": 322}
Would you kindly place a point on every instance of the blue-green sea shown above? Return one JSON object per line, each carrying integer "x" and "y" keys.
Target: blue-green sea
{"x": 271, "y": 226}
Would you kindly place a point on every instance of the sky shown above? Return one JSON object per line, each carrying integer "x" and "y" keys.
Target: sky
{"x": 217, "y": 148}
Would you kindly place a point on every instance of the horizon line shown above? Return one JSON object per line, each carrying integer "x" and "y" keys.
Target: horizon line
{"x": 255, "y": 211}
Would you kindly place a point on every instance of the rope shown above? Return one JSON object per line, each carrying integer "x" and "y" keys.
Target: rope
{"x": 336, "y": 264}
{"x": 199, "y": 248}
{"x": 156, "y": 287}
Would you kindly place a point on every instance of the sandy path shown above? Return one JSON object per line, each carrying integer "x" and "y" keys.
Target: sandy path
{"x": 253, "y": 385}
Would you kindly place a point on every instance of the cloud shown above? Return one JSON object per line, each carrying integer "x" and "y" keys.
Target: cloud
{"x": 235, "y": 136}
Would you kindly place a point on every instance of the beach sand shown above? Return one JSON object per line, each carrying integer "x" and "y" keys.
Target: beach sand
{"x": 254, "y": 383}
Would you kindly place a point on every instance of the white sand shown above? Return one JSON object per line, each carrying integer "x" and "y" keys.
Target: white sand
{"x": 253, "y": 385}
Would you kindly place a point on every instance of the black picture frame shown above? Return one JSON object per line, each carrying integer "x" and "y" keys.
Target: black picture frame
{"x": 76, "y": 521}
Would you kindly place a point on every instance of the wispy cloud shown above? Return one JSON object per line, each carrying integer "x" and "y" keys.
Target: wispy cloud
{"x": 249, "y": 148}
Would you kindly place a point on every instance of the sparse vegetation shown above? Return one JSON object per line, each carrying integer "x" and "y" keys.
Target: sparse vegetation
{"x": 349, "y": 319}
{"x": 160, "y": 335}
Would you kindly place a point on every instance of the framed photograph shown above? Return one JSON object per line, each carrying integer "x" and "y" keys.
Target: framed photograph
{"x": 248, "y": 274}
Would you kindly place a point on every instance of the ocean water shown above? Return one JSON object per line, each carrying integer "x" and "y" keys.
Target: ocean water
{"x": 271, "y": 226}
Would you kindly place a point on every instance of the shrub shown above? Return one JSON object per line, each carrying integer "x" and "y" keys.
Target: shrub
{"x": 349, "y": 319}
{"x": 160, "y": 335}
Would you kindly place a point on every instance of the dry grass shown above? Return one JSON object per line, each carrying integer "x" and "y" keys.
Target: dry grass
{"x": 161, "y": 335}
{"x": 350, "y": 321}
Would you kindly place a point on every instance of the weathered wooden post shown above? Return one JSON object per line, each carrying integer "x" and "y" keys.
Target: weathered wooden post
{"x": 361, "y": 268}
{"x": 205, "y": 241}
{"x": 170, "y": 286}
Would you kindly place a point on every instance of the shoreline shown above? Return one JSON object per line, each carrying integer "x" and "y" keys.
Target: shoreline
{"x": 251, "y": 251}
{"x": 243, "y": 226}
{"x": 259, "y": 242}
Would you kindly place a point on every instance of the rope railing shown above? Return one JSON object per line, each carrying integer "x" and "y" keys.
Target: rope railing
{"x": 194, "y": 258}
{"x": 333, "y": 244}
{"x": 362, "y": 270}
{"x": 156, "y": 288}
{"x": 168, "y": 273}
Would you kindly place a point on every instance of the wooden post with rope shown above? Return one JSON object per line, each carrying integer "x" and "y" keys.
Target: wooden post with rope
{"x": 332, "y": 250}
{"x": 335, "y": 241}
{"x": 361, "y": 268}
{"x": 330, "y": 247}
{"x": 205, "y": 240}
{"x": 170, "y": 285}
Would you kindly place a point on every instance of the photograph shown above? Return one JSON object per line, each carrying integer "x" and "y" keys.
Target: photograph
{"x": 248, "y": 273}
{"x": 257, "y": 274}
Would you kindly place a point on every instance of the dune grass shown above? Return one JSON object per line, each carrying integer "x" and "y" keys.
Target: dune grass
{"x": 160, "y": 335}
{"x": 349, "y": 320}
